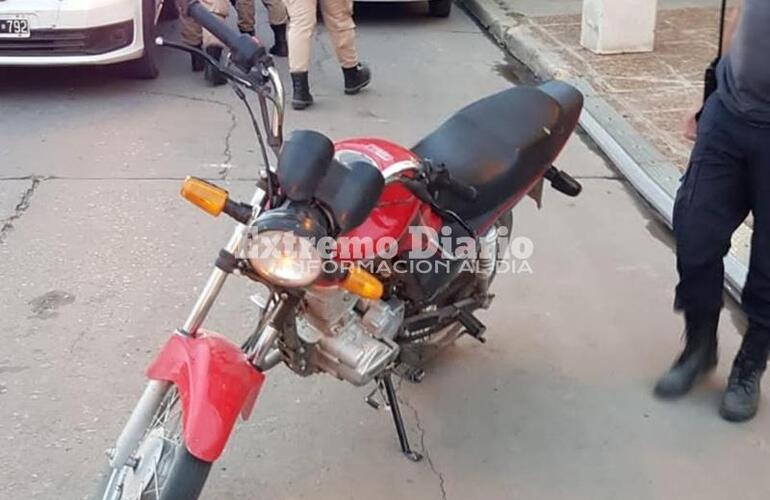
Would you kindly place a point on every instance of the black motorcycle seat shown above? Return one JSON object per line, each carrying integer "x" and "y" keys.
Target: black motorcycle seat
{"x": 503, "y": 143}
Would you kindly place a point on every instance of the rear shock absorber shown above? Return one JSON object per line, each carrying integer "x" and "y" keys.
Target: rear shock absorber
{"x": 487, "y": 256}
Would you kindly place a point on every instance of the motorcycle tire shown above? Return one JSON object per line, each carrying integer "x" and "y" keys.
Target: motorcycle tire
{"x": 186, "y": 481}
{"x": 187, "y": 478}
{"x": 417, "y": 355}
{"x": 146, "y": 67}
{"x": 178, "y": 475}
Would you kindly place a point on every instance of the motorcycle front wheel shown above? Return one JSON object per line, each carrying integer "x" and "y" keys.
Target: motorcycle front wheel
{"x": 161, "y": 468}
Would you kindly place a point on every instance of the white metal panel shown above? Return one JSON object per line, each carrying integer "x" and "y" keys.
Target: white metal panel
{"x": 42, "y": 14}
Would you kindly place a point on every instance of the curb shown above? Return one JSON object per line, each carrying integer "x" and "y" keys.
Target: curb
{"x": 653, "y": 176}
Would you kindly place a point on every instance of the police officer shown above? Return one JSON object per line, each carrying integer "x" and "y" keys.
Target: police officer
{"x": 728, "y": 178}
{"x": 338, "y": 19}
{"x": 193, "y": 34}
{"x": 277, "y": 17}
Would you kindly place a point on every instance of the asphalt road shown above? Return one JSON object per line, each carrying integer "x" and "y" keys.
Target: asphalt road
{"x": 100, "y": 259}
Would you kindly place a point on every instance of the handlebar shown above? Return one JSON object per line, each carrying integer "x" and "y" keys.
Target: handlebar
{"x": 279, "y": 104}
{"x": 428, "y": 178}
{"x": 245, "y": 51}
{"x": 397, "y": 171}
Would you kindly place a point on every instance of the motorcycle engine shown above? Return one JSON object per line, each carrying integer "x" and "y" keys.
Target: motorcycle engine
{"x": 350, "y": 338}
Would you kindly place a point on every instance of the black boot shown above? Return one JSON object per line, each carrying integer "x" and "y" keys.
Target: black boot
{"x": 741, "y": 398}
{"x": 301, "y": 97}
{"x": 356, "y": 78}
{"x": 211, "y": 74}
{"x": 698, "y": 358}
{"x": 196, "y": 61}
{"x": 281, "y": 46}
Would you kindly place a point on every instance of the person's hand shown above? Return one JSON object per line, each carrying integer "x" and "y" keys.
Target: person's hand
{"x": 691, "y": 125}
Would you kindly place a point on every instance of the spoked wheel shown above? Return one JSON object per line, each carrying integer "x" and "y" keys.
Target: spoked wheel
{"x": 161, "y": 468}
{"x": 418, "y": 354}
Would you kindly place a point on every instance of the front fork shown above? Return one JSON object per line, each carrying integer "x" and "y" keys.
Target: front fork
{"x": 156, "y": 390}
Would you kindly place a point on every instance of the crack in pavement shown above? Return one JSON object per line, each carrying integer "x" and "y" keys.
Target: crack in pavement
{"x": 76, "y": 341}
{"x": 21, "y": 207}
{"x": 227, "y": 153}
{"x": 424, "y": 449}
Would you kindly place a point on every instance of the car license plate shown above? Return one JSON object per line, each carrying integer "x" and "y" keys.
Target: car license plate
{"x": 14, "y": 27}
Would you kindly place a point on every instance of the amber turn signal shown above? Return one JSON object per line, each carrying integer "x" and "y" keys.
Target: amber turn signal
{"x": 363, "y": 284}
{"x": 208, "y": 197}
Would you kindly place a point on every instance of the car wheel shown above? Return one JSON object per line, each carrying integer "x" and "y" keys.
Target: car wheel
{"x": 440, "y": 8}
{"x": 146, "y": 67}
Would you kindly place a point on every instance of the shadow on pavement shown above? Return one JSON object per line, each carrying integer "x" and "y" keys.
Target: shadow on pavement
{"x": 47, "y": 78}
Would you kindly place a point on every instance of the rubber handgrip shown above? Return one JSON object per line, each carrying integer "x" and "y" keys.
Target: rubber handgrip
{"x": 213, "y": 24}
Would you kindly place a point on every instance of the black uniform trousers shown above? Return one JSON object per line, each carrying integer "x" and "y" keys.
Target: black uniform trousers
{"x": 728, "y": 178}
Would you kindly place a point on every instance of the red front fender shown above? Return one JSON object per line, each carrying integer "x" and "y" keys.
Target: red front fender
{"x": 215, "y": 383}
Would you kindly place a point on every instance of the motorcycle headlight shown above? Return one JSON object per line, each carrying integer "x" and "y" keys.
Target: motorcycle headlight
{"x": 285, "y": 259}
{"x": 282, "y": 246}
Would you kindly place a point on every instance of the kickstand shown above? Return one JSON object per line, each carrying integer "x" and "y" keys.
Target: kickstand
{"x": 403, "y": 439}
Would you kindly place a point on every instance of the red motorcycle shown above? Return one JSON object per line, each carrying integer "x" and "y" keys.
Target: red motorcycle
{"x": 362, "y": 252}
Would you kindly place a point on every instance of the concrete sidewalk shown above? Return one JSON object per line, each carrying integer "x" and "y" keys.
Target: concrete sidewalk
{"x": 635, "y": 103}
{"x": 534, "y": 8}
{"x": 653, "y": 91}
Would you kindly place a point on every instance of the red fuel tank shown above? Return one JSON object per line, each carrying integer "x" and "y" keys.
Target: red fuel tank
{"x": 397, "y": 208}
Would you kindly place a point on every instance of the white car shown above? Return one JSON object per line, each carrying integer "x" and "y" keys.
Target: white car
{"x": 81, "y": 32}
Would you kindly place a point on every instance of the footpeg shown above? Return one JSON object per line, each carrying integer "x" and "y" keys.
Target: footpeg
{"x": 563, "y": 182}
{"x": 415, "y": 375}
{"x": 473, "y": 326}
{"x": 376, "y": 399}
